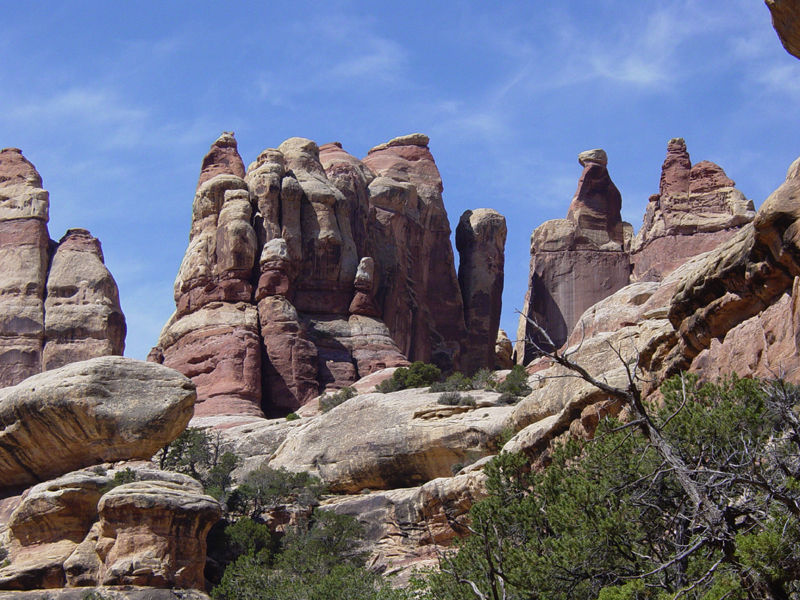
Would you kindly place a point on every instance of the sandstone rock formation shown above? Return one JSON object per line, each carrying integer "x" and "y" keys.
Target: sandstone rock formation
{"x": 49, "y": 319}
{"x": 697, "y": 208}
{"x": 577, "y": 261}
{"x": 786, "y": 21}
{"x": 74, "y": 531}
{"x": 393, "y": 440}
{"x": 83, "y": 318}
{"x": 104, "y": 409}
{"x": 481, "y": 241}
{"x": 314, "y": 269}
{"x": 418, "y": 291}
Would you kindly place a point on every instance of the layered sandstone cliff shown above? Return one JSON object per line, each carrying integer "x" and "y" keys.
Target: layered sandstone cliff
{"x": 58, "y": 302}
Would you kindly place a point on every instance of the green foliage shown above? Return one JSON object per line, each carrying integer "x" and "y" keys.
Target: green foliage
{"x": 327, "y": 402}
{"x": 457, "y": 382}
{"x": 320, "y": 560}
{"x": 483, "y": 380}
{"x": 455, "y": 399}
{"x": 247, "y": 537}
{"x": 515, "y": 383}
{"x": 127, "y": 475}
{"x": 419, "y": 374}
{"x": 266, "y": 488}
{"x": 292, "y": 416}
{"x": 610, "y": 519}
{"x": 196, "y": 453}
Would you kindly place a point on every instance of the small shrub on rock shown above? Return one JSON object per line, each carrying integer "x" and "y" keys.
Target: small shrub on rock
{"x": 455, "y": 399}
{"x": 516, "y": 382}
{"x": 292, "y": 417}
{"x": 449, "y": 398}
{"x": 483, "y": 380}
{"x": 457, "y": 382}
{"x": 327, "y": 402}
{"x": 419, "y": 374}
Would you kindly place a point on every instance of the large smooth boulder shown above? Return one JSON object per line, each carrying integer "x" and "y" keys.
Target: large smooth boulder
{"x": 384, "y": 441}
{"x": 100, "y": 410}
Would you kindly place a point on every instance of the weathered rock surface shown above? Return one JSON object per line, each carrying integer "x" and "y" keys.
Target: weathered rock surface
{"x": 104, "y": 409}
{"x": 786, "y": 21}
{"x": 393, "y": 520}
{"x": 577, "y": 261}
{"x": 697, "y": 208}
{"x": 111, "y": 593}
{"x": 74, "y": 531}
{"x": 392, "y": 440}
{"x": 481, "y": 240}
{"x": 81, "y": 318}
{"x": 418, "y": 290}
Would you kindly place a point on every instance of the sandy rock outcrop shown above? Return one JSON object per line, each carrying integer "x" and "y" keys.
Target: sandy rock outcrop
{"x": 104, "y": 409}
{"x": 394, "y": 440}
{"x": 81, "y": 317}
{"x": 697, "y": 208}
{"x": 407, "y": 527}
{"x": 313, "y": 269}
{"x": 111, "y": 593}
{"x": 79, "y": 530}
{"x": 577, "y": 261}
{"x": 480, "y": 241}
{"x": 24, "y": 241}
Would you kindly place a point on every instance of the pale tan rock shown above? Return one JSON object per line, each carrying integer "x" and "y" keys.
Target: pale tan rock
{"x": 154, "y": 533}
{"x": 381, "y": 441}
{"x": 83, "y": 317}
{"x": 623, "y": 308}
{"x": 503, "y": 351}
{"x": 405, "y": 527}
{"x": 104, "y": 409}
{"x": 598, "y": 156}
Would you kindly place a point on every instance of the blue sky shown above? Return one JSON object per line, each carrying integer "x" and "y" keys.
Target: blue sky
{"x": 116, "y": 104}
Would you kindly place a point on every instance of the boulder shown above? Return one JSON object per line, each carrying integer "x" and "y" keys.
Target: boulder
{"x": 104, "y": 409}
{"x": 79, "y": 530}
{"x": 481, "y": 240}
{"x": 384, "y": 441}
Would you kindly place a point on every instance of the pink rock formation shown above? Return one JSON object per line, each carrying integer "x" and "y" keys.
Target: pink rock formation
{"x": 84, "y": 318}
{"x": 213, "y": 338}
{"x": 697, "y": 208}
{"x": 577, "y": 261}
{"x": 309, "y": 321}
{"x": 418, "y": 289}
{"x": 481, "y": 240}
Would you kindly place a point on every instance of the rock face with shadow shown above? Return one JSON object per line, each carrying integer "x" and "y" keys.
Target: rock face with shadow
{"x": 313, "y": 269}
{"x": 577, "y": 261}
{"x": 58, "y": 302}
